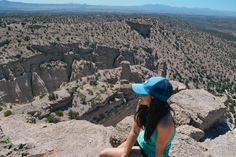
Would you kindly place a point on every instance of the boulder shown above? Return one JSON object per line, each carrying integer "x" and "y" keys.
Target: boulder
{"x": 185, "y": 146}
{"x": 198, "y": 107}
{"x": 223, "y": 145}
{"x": 190, "y": 131}
{"x": 121, "y": 131}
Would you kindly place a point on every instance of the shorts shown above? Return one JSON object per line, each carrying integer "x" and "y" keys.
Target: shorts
{"x": 142, "y": 151}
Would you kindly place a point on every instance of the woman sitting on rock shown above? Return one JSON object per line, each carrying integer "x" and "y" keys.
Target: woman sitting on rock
{"x": 153, "y": 128}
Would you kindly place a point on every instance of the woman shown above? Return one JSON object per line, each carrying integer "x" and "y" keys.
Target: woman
{"x": 153, "y": 128}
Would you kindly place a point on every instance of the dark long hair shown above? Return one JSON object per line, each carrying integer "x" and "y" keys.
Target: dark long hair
{"x": 149, "y": 116}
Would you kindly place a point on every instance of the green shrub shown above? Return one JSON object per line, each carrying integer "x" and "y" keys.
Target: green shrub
{"x": 7, "y": 113}
{"x": 52, "y": 119}
{"x": 59, "y": 113}
{"x": 52, "y": 96}
{"x": 73, "y": 114}
{"x": 93, "y": 82}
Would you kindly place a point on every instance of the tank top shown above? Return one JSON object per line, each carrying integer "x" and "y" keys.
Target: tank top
{"x": 149, "y": 146}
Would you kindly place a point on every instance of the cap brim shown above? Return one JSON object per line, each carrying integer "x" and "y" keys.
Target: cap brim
{"x": 138, "y": 88}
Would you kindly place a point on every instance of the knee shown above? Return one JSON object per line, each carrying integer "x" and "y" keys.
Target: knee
{"x": 102, "y": 153}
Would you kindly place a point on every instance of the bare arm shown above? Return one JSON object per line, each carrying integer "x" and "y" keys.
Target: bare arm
{"x": 164, "y": 129}
{"x": 133, "y": 134}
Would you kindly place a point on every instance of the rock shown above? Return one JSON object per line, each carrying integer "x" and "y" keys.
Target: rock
{"x": 82, "y": 68}
{"x": 198, "y": 107}
{"x": 224, "y": 145}
{"x": 190, "y": 131}
{"x": 121, "y": 131}
{"x": 63, "y": 139}
{"x": 177, "y": 86}
{"x": 7, "y": 148}
{"x": 38, "y": 85}
{"x": 185, "y": 146}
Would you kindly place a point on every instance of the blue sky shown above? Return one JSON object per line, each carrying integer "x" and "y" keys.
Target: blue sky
{"x": 225, "y": 5}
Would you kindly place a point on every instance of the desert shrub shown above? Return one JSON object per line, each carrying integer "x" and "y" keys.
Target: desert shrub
{"x": 73, "y": 114}
{"x": 7, "y": 113}
{"x": 52, "y": 119}
{"x": 52, "y": 96}
{"x": 59, "y": 113}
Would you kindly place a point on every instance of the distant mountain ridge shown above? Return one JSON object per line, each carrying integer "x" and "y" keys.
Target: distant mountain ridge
{"x": 10, "y": 6}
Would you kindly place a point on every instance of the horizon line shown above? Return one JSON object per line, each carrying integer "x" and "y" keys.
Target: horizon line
{"x": 61, "y": 3}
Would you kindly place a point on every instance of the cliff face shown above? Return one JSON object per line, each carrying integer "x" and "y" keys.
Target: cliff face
{"x": 21, "y": 80}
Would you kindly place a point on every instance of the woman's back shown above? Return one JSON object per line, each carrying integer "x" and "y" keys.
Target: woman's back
{"x": 149, "y": 146}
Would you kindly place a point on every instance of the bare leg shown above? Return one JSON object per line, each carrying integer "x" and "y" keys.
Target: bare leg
{"x": 111, "y": 152}
{"x": 116, "y": 152}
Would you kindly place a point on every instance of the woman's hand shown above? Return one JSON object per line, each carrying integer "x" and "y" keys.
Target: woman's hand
{"x": 124, "y": 155}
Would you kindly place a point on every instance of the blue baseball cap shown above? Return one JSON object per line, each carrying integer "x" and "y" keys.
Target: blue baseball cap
{"x": 159, "y": 87}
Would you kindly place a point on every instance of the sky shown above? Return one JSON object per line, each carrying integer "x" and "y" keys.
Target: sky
{"x": 222, "y": 5}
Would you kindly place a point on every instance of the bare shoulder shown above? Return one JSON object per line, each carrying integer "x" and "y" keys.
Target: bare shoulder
{"x": 166, "y": 121}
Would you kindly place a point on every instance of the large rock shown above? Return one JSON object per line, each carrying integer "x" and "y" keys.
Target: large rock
{"x": 70, "y": 138}
{"x": 190, "y": 131}
{"x": 198, "y": 107}
{"x": 185, "y": 146}
{"x": 82, "y": 68}
{"x": 224, "y": 145}
{"x": 121, "y": 131}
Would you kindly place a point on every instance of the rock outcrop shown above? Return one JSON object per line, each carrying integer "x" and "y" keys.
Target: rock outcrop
{"x": 223, "y": 145}
{"x": 198, "y": 108}
{"x": 71, "y": 138}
